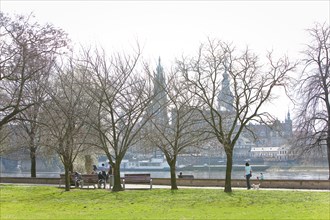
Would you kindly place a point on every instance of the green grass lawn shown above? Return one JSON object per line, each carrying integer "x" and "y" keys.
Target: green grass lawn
{"x": 47, "y": 202}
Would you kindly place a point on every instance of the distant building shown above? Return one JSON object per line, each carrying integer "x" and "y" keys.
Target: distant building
{"x": 159, "y": 102}
{"x": 258, "y": 140}
{"x": 272, "y": 135}
{"x": 225, "y": 96}
{"x": 267, "y": 141}
{"x": 280, "y": 153}
{"x": 243, "y": 148}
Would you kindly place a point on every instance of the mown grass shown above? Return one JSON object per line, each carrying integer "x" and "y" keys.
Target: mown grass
{"x": 44, "y": 202}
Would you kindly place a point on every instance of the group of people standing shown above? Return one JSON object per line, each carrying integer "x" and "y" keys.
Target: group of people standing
{"x": 102, "y": 172}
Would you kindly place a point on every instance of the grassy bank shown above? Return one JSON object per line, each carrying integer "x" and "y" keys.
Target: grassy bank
{"x": 42, "y": 202}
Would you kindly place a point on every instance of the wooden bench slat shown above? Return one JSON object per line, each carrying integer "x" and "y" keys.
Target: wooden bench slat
{"x": 186, "y": 176}
{"x": 137, "y": 178}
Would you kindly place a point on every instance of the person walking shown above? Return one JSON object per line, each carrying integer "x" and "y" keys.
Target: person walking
{"x": 248, "y": 174}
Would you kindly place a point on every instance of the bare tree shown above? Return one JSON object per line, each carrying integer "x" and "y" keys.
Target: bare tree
{"x": 4, "y": 140}
{"x": 64, "y": 115}
{"x": 122, "y": 97}
{"x": 313, "y": 118}
{"x": 180, "y": 129}
{"x": 228, "y": 106}
{"x": 28, "y": 125}
{"x": 26, "y": 49}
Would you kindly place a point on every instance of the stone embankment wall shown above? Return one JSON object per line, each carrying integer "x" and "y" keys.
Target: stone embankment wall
{"x": 287, "y": 184}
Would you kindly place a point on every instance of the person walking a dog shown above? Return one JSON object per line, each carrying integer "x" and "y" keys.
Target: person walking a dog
{"x": 248, "y": 174}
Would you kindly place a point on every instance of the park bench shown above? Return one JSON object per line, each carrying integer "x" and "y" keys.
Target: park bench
{"x": 86, "y": 180}
{"x": 136, "y": 178}
{"x": 89, "y": 180}
{"x": 186, "y": 176}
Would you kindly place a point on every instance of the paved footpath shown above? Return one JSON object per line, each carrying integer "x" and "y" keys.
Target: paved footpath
{"x": 136, "y": 186}
{"x": 147, "y": 187}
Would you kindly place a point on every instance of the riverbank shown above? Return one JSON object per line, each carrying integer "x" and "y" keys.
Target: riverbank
{"x": 239, "y": 183}
{"x": 274, "y": 173}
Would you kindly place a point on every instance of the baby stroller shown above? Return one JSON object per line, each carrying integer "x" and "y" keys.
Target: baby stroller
{"x": 102, "y": 176}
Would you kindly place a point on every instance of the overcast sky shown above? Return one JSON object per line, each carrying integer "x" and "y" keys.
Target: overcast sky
{"x": 171, "y": 28}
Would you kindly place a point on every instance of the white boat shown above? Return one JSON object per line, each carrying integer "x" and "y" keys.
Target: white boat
{"x": 152, "y": 164}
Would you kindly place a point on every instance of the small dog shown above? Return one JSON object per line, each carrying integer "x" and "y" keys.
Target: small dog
{"x": 256, "y": 186}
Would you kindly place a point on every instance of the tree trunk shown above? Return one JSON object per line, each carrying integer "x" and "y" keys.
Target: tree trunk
{"x": 117, "y": 183}
{"x": 33, "y": 161}
{"x": 33, "y": 150}
{"x": 229, "y": 167}
{"x": 328, "y": 149}
{"x": 67, "y": 178}
{"x": 71, "y": 167}
{"x": 88, "y": 163}
{"x": 173, "y": 176}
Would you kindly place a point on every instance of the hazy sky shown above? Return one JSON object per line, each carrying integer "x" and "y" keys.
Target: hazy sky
{"x": 172, "y": 28}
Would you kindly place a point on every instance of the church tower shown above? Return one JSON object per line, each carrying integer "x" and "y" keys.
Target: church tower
{"x": 288, "y": 126}
{"x": 159, "y": 103}
{"x": 225, "y": 97}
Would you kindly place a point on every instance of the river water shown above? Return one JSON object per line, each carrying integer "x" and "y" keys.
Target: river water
{"x": 271, "y": 173}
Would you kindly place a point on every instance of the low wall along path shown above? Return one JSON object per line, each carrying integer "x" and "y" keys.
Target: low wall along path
{"x": 285, "y": 184}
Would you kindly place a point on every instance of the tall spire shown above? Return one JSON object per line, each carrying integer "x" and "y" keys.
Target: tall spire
{"x": 225, "y": 97}
{"x": 159, "y": 71}
{"x": 160, "y": 99}
{"x": 288, "y": 125}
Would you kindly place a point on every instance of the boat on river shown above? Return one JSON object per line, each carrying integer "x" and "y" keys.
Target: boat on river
{"x": 153, "y": 164}
{"x": 257, "y": 167}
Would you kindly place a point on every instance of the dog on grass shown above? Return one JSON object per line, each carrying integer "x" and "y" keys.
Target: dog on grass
{"x": 256, "y": 186}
